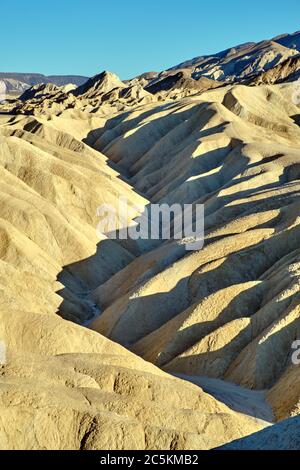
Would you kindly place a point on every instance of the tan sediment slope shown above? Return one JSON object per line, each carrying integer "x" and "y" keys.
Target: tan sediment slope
{"x": 64, "y": 386}
{"x": 179, "y": 85}
{"x": 241, "y": 62}
{"x": 51, "y": 186}
{"x": 229, "y": 311}
{"x": 104, "y": 94}
{"x": 282, "y": 436}
{"x": 287, "y": 71}
{"x": 70, "y": 388}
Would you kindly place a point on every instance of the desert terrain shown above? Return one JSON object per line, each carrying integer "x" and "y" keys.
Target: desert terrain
{"x": 132, "y": 344}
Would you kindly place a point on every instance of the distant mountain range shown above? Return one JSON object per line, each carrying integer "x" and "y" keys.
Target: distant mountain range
{"x": 114, "y": 340}
{"x": 19, "y": 82}
{"x": 238, "y": 64}
{"x": 243, "y": 61}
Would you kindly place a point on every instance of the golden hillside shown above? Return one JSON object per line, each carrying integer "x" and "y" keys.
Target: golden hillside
{"x": 136, "y": 345}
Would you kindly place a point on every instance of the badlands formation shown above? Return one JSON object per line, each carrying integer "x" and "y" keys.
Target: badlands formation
{"x": 122, "y": 344}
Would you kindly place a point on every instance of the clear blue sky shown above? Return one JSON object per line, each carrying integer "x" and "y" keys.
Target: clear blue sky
{"x": 129, "y": 37}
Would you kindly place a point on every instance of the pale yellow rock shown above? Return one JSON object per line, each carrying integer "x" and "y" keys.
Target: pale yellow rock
{"x": 229, "y": 311}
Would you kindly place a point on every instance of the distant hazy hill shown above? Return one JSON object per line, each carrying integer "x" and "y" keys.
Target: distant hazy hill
{"x": 16, "y": 81}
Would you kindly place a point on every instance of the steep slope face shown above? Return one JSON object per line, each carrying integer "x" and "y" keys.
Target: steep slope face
{"x": 70, "y": 389}
{"x": 104, "y": 93}
{"x": 206, "y": 61}
{"x": 63, "y": 386}
{"x": 284, "y": 396}
{"x": 292, "y": 41}
{"x": 47, "y": 99}
{"x": 143, "y": 79}
{"x": 287, "y": 71}
{"x": 49, "y": 216}
{"x": 38, "y": 91}
{"x": 240, "y": 62}
{"x": 283, "y": 436}
{"x": 231, "y": 310}
{"x": 96, "y": 86}
{"x": 180, "y": 85}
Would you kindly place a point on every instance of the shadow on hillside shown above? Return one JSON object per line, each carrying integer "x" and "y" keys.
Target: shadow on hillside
{"x": 270, "y": 357}
{"x": 136, "y": 145}
{"x": 296, "y": 119}
{"x": 283, "y": 436}
{"x": 138, "y": 316}
{"x": 82, "y": 277}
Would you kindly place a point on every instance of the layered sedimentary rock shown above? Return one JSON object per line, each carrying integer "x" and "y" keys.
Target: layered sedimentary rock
{"x": 229, "y": 311}
{"x": 105, "y": 94}
{"x": 209, "y": 332}
{"x": 180, "y": 85}
{"x": 63, "y": 386}
{"x": 287, "y": 71}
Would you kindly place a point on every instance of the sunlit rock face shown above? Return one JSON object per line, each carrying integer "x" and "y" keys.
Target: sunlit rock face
{"x": 129, "y": 344}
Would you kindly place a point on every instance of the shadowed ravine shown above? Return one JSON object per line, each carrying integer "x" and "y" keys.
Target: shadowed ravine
{"x": 122, "y": 344}
{"x": 173, "y": 338}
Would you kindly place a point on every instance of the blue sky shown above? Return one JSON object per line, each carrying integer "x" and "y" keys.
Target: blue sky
{"x": 131, "y": 36}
